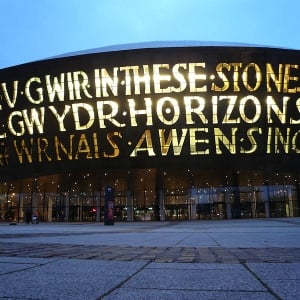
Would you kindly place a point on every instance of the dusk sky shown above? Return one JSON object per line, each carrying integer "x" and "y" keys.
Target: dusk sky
{"x": 36, "y": 29}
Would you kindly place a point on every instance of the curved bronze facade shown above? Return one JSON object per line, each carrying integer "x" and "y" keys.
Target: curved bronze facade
{"x": 179, "y": 132}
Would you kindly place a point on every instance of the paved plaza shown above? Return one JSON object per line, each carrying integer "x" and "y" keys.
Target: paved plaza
{"x": 227, "y": 259}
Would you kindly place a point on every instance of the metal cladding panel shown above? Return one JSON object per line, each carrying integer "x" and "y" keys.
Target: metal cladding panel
{"x": 175, "y": 107}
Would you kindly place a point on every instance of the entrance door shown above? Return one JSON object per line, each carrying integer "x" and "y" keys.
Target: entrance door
{"x": 177, "y": 206}
{"x": 210, "y": 203}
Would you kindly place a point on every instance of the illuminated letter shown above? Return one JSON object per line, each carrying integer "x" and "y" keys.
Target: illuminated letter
{"x": 157, "y": 78}
{"x": 24, "y": 149}
{"x": 272, "y": 105}
{"x": 11, "y": 102}
{"x": 56, "y": 87}
{"x": 127, "y": 81}
{"x": 287, "y": 78}
{"x": 70, "y": 85}
{"x": 113, "y": 111}
{"x": 149, "y": 146}
{"x": 180, "y": 78}
{"x": 292, "y": 121}
{"x": 257, "y": 105}
{"x": 4, "y": 156}
{"x": 107, "y": 81}
{"x": 42, "y": 149}
{"x": 279, "y": 138}
{"x": 115, "y": 147}
{"x": 229, "y": 110}
{"x": 271, "y": 76}
{"x": 198, "y": 110}
{"x": 58, "y": 145}
{"x": 214, "y": 101}
{"x": 194, "y": 141}
{"x": 38, "y": 90}
{"x": 97, "y": 83}
{"x": 222, "y": 76}
{"x": 193, "y": 77}
{"x": 60, "y": 118}
{"x": 3, "y": 135}
{"x": 269, "y": 141}
{"x": 96, "y": 147}
{"x": 220, "y": 137}
{"x": 89, "y": 109}
{"x": 81, "y": 85}
{"x": 36, "y": 118}
{"x": 236, "y": 67}
{"x": 172, "y": 139}
{"x": 83, "y": 147}
{"x": 258, "y": 77}
{"x": 175, "y": 108}
{"x": 252, "y": 140}
{"x": 134, "y": 112}
{"x": 21, "y": 129}
{"x": 294, "y": 142}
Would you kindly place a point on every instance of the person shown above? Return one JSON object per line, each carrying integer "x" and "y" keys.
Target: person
{"x": 35, "y": 218}
{"x": 28, "y": 215}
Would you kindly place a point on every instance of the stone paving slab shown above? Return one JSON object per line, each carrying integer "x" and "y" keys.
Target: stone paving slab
{"x": 146, "y": 294}
{"x": 285, "y": 289}
{"x": 192, "y": 281}
{"x": 283, "y": 279}
{"x": 210, "y": 279}
{"x": 277, "y": 271}
{"x": 65, "y": 279}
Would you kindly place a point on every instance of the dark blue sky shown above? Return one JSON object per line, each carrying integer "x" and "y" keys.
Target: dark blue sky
{"x": 36, "y": 29}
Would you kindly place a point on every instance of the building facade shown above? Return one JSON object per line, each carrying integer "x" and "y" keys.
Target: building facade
{"x": 180, "y": 131}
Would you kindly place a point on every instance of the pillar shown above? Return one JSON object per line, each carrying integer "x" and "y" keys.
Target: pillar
{"x": 129, "y": 205}
{"x": 267, "y": 201}
{"x": 236, "y": 207}
{"x": 290, "y": 201}
{"x": 228, "y": 204}
{"x": 67, "y": 207}
{"x": 50, "y": 203}
{"x": 162, "y": 205}
{"x": 193, "y": 209}
{"x": 21, "y": 208}
{"x": 34, "y": 202}
{"x": 253, "y": 206}
{"x": 98, "y": 206}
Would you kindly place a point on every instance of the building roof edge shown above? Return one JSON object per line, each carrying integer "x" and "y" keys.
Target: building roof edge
{"x": 162, "y": 44}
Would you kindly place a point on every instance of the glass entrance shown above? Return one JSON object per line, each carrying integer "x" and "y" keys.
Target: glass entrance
{"x": 177, "y": 206}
